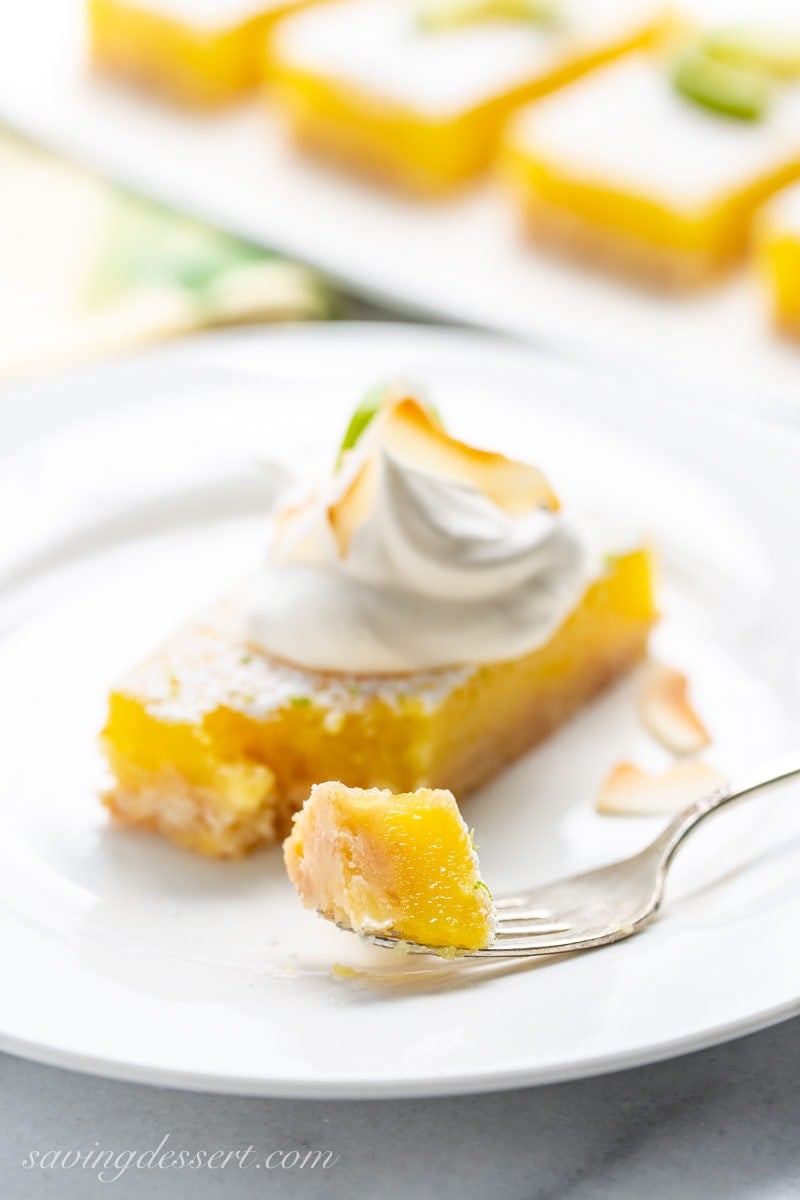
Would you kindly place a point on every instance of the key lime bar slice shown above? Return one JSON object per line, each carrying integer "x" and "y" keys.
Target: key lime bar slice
{"x": 778, "y": 241}
{"x": 416, "y": 95}
{"x": 625, "y": 170}
{"x": 215, "y": 745}
{"x": 400, "y": 865}
{"x": 201, "y": 52}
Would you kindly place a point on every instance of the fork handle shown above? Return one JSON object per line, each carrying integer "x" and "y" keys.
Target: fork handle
{"x": 688, "y": 820}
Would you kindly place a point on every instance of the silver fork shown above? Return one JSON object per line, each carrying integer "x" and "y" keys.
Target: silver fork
{"x": 605, "y": 905}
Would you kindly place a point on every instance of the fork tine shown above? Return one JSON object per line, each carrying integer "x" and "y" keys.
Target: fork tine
{"x": 524, "y": 914}
{"x": 521, "y": 930}
{"x": 506, "y": 948}
{"x": 506, "y": 903}
{"x": 524, "y": 948}
{"x": 532, "y": 944}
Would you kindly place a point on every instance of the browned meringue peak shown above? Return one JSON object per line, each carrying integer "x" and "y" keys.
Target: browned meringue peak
{"x": 406, "y": 429}
{"x": 630, "y": 791}
{"x": 666, "y": 711}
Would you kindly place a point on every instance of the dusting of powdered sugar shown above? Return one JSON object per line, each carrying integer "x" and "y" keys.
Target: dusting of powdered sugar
{"x": 209, "y": 665}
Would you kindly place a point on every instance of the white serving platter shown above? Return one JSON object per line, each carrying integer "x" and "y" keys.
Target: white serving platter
{"x": 461, "y": 261}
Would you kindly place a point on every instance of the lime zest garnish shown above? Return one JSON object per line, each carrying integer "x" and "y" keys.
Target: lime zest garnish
{"x": 362, "y": 416}
{"x": 433, "y": 15}
{"x": 741, "y": 92}
{"x": 299, "y": 701}
{"x": 762, "y": 48}
{"x": 484, "y": 887}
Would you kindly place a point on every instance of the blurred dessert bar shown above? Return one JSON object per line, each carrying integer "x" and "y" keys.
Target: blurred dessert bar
{"x": 201, "y": 52}
{"x": 656, "y": 165}
{"x": 779, "y": 257}
{"x": 417, "y": 94}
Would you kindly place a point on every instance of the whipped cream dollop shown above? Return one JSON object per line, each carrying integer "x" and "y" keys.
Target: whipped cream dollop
{"x": 416, "y": 556}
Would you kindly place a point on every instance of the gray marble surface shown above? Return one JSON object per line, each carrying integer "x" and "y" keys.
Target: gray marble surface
{"x": 724, "y": 1123}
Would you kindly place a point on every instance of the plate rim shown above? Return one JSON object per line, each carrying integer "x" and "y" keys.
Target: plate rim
{"x": 127, "y": 1071}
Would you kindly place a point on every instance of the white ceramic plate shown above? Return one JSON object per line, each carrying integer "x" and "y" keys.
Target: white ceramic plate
{"x": 461, "y": 261}
{"x": 133, "y": 494}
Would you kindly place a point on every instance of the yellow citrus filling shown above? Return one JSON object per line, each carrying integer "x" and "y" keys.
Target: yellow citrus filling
{"x": 715, "y": 234}
{"x": 245, "y": 766}
{"x": 405, "y": 147}
{"x": 194, "y": 65}
{"x": 779, "y": 254}
{"x": 402, "y": 865}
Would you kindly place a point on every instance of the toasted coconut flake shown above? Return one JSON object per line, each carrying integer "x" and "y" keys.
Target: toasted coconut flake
{"x": 407, "y": 428}
{"x": 352, "y": 508}
{"x": 667, "y": 713}
{"x": 629, "y": 791}
{"x": 286, "y": 519}
{"x": 412, "y": 433}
